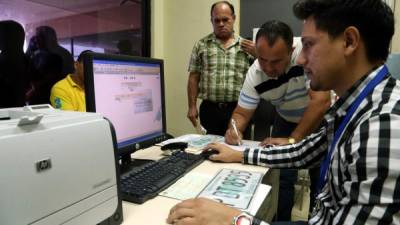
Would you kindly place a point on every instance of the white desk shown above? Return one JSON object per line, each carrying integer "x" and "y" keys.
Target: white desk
{"x": 155, "y": 211}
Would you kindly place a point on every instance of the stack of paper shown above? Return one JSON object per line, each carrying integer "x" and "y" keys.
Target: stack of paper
{"x": 196, "y": 142}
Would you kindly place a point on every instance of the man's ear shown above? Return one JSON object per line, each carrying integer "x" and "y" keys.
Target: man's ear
{"x": 351, "y": 37}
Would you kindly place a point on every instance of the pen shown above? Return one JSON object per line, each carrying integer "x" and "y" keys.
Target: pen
{"x": 233, "y": 122}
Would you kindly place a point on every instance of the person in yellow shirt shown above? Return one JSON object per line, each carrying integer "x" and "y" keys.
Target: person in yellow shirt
{"x": 69, "y": 93}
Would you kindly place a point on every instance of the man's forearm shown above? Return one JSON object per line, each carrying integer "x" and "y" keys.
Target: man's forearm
{"x": 308, "y": 123}
{"x": 304, "y": 154}
{"x": 192, "y": 90}
{"x": 242, "y": 117}
{"x": 312, "y": 116}
{"x": 192, "y": 97}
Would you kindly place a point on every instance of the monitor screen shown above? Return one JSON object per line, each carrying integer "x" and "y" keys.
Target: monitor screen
{"x": 129, "y": 91}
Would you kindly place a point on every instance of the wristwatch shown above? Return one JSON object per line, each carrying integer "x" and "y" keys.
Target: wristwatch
{"x": 291, "y": 140}
{"x": 242, "y": 219}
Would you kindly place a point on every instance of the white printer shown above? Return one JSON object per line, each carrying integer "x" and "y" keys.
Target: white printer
{"x": 57, "y": 167}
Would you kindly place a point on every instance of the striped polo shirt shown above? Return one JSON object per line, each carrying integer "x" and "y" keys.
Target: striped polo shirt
{"x": 288, "y": 92}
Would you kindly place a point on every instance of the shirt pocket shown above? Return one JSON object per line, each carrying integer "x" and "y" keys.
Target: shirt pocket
{"x": 210, "y": 62}
{"x": 240, "y": 71}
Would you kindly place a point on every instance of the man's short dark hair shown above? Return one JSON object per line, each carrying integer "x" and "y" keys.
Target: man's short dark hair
{"x": 274, "y": 29}
{"x": 223, "y": 2}
{"x": 373, "y": 18}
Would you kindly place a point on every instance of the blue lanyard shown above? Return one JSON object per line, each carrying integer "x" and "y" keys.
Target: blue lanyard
{"x": 368, "y": 89}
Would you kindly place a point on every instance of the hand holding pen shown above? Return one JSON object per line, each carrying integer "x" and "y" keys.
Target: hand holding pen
{"x": 236, "y": 131}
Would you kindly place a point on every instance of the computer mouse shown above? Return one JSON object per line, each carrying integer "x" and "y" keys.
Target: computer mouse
{"x": 208, "y": 153}
{"x": 175, "y": 146}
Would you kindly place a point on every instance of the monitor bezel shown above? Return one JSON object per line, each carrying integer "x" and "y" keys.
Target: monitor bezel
{"x": 90, "y": 94}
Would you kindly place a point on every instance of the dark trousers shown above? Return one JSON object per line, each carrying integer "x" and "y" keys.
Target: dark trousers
{"x": 288, "y": 177}
{"x": 215, "y": 116}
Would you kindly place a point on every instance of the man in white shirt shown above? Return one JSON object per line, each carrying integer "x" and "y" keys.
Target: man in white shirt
{"x": 276, "y": 77}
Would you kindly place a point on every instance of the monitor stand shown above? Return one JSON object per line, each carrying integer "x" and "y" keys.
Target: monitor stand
{"x": 127, "y": 163}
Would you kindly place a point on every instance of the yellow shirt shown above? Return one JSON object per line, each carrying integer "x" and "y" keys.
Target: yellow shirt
{"x": 67, "y": 95}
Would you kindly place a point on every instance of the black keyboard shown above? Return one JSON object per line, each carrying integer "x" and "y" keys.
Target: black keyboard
{"x": 143, "y": 183}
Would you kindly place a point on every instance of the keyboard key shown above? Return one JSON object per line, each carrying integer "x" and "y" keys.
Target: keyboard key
{"x": 139, "y": 185}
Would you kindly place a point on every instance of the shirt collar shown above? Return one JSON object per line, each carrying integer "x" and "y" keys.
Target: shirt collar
{"x": 343, "y": 103}
{"x": 71, "y": 81}
{"x": 213, "y": 38}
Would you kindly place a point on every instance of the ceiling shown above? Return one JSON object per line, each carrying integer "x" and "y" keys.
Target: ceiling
{"x": 31, "y": 11}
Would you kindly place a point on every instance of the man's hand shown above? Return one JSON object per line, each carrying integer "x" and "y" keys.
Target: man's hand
{"x": 231, "y": 136}
{"x": 192, "y": 115}
{"x": 248, "y": 46}
{"x": 201, "y": 211}
{"x": 274, "y": 141}
{"x": 226, "y": 154}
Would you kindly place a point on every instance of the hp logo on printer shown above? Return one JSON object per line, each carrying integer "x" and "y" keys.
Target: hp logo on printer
{"x": 43, "y": 165}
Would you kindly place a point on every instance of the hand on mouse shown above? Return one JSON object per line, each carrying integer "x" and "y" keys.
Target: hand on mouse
{"x": 225, "y": 153}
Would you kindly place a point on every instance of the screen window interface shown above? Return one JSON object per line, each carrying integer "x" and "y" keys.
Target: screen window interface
{"x": 129, "y": 95}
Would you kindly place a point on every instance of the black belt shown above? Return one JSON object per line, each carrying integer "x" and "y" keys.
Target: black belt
{"x": 221, "y": 105}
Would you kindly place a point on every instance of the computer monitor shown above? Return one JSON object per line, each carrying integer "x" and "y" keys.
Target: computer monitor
{"x": 129, "y": 91}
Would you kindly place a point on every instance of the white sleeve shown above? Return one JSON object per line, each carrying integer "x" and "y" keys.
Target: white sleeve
{"x": 249, "y": 97}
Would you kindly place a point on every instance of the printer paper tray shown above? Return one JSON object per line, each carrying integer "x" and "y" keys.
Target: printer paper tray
{"x": 88, "y": 211}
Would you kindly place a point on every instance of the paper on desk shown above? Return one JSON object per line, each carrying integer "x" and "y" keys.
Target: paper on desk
{"x": 183, "y": 138}
{"x": 187, "y": 187}
{"x": 245, "y": 144}
{"x": 258, "y": 198}
{"x": 196, "y": 142}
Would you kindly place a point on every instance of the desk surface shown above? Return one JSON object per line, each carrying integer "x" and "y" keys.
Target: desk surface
{"x": 155, "y": 211}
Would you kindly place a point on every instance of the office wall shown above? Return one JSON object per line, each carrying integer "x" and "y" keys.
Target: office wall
{"x": 176, "y": 25}
{"x": 396, "y": 37}
{"x": 255, "y": 12}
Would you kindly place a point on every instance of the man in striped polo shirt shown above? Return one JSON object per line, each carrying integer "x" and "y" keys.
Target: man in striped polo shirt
{"x": 218, "y": 65}
{"x": 276, "y": 77}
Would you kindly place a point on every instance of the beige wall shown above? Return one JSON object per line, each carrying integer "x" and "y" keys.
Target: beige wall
{"x": 396, "y": 37}
{"x": 176, "y": 25}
